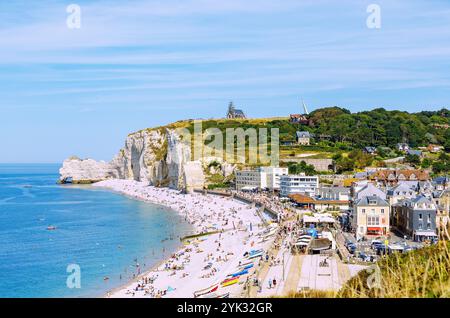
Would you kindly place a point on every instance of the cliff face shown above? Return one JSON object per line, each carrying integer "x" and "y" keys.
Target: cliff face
{"x": 156, "y": 156}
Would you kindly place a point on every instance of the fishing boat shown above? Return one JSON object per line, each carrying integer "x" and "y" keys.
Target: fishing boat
{"x": 243, "y": 272}
{"x": 245, "y": 264}
{"x": 214, "y": 295}
{"x": 51, "y": 228}
{"x": 205, "y": 291}
{"x": 252, "y": 252}
{"x": 230, "y": 282}
{"x": 260, "y": 254}
{"x": 244, "y": 267}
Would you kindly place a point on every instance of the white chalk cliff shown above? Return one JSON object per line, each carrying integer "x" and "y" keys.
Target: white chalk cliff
{"x": 157, "y": 156}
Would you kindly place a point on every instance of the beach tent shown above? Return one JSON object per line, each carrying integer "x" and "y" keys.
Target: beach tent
{"x": 309, "y": 219}
{"x": 326, "y": 219}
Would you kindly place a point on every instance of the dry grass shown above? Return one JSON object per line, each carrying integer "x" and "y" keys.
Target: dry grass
{"x": 421, "y": 273}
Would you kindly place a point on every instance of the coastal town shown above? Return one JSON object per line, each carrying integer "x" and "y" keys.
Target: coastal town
{"x": 292, "y": 229}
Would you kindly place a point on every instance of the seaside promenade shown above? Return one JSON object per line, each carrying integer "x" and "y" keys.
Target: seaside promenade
{"x": 232, "y": 228}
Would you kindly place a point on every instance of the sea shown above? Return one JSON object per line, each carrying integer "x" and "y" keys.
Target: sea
{"x": 100, "y": 241}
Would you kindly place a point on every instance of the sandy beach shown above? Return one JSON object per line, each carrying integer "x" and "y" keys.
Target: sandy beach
{"x": 204, "y": 261}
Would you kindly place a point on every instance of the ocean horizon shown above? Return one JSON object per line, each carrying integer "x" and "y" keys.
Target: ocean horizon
{"x": 109, "y": 236}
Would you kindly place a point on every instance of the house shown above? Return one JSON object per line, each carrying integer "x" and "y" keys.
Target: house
{"x": 333, "y": 193}
{"x": 443, "y": 208}
{"x": 370, "y": 150}
{"x": 368, "y": 189}
{"x": 234, "y": 113}
{"x": 302, "y": 184}
{"x": 403, "y": 147}
{"x": 434, "y": 148}
{"x": 371, "y": 216}
{"x": 298, "y": 119}
{"x": 441, "y": 183}
{"x": 413, "y": 152}
{"x": 287, "y": 142}
{"x": 303, "y": 137}
{"x": 318, "y": 204}
{"x": 401, "y": 191}
{"x": 416, "y": 218}
{"x": 388, "y": 177}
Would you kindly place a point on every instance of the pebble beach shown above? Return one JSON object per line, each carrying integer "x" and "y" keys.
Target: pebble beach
{"x": 205, "y": 260}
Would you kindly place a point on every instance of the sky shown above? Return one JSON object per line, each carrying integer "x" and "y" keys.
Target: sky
{"x": 136, "y": 64}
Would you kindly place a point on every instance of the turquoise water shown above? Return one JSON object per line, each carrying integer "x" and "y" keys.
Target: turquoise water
{"x": 106, "y": 234}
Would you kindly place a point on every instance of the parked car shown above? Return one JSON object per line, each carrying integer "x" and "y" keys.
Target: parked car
{"x": 351, "y": 247}
{"x": 375, "y": 244}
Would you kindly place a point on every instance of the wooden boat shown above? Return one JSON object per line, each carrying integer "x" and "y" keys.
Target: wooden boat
{"x": 205, "y": 291}
{"x": 226, "y": 295}
{"x": 230, "y": 282}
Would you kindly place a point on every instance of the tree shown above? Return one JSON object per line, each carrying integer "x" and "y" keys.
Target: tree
{"x": 345, "y": 164}
{"x": 302, "y": 167}
{"x": 412, "y": 159}
{"x": 426, "y": 163}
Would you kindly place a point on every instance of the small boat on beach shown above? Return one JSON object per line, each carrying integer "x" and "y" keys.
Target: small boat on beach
{"x": 252, "y": 252}
{"x": 205, "y": 291}
{"x": 214, "y": 295}
{"x": 230, "y": 282}
{"x": 260, "y": 254}
{"x": 245, "y": 264}
{"x": 246, "y": 267}
{"x": 240, "y": 273}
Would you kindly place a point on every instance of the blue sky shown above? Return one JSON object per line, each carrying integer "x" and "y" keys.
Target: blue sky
{"x": 136, "y": 64}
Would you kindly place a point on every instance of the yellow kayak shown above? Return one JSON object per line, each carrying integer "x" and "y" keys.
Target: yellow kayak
{"x": 230, "y": 282}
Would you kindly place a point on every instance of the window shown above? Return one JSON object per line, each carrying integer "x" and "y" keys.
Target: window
{"x": 420, "y": 216}
{"x": 373, "y": 220}
{"x": 382, "y": 210}
{"x": 363, "y": 210}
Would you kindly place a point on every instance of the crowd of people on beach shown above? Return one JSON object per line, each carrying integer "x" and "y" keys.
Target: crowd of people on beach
{"x": 223, "y": 228}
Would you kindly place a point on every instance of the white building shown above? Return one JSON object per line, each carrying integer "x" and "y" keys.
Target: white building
{"x": 273, "y": 176}
{"x": 302, "y": 184}
{"x": 260, "y": 178}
